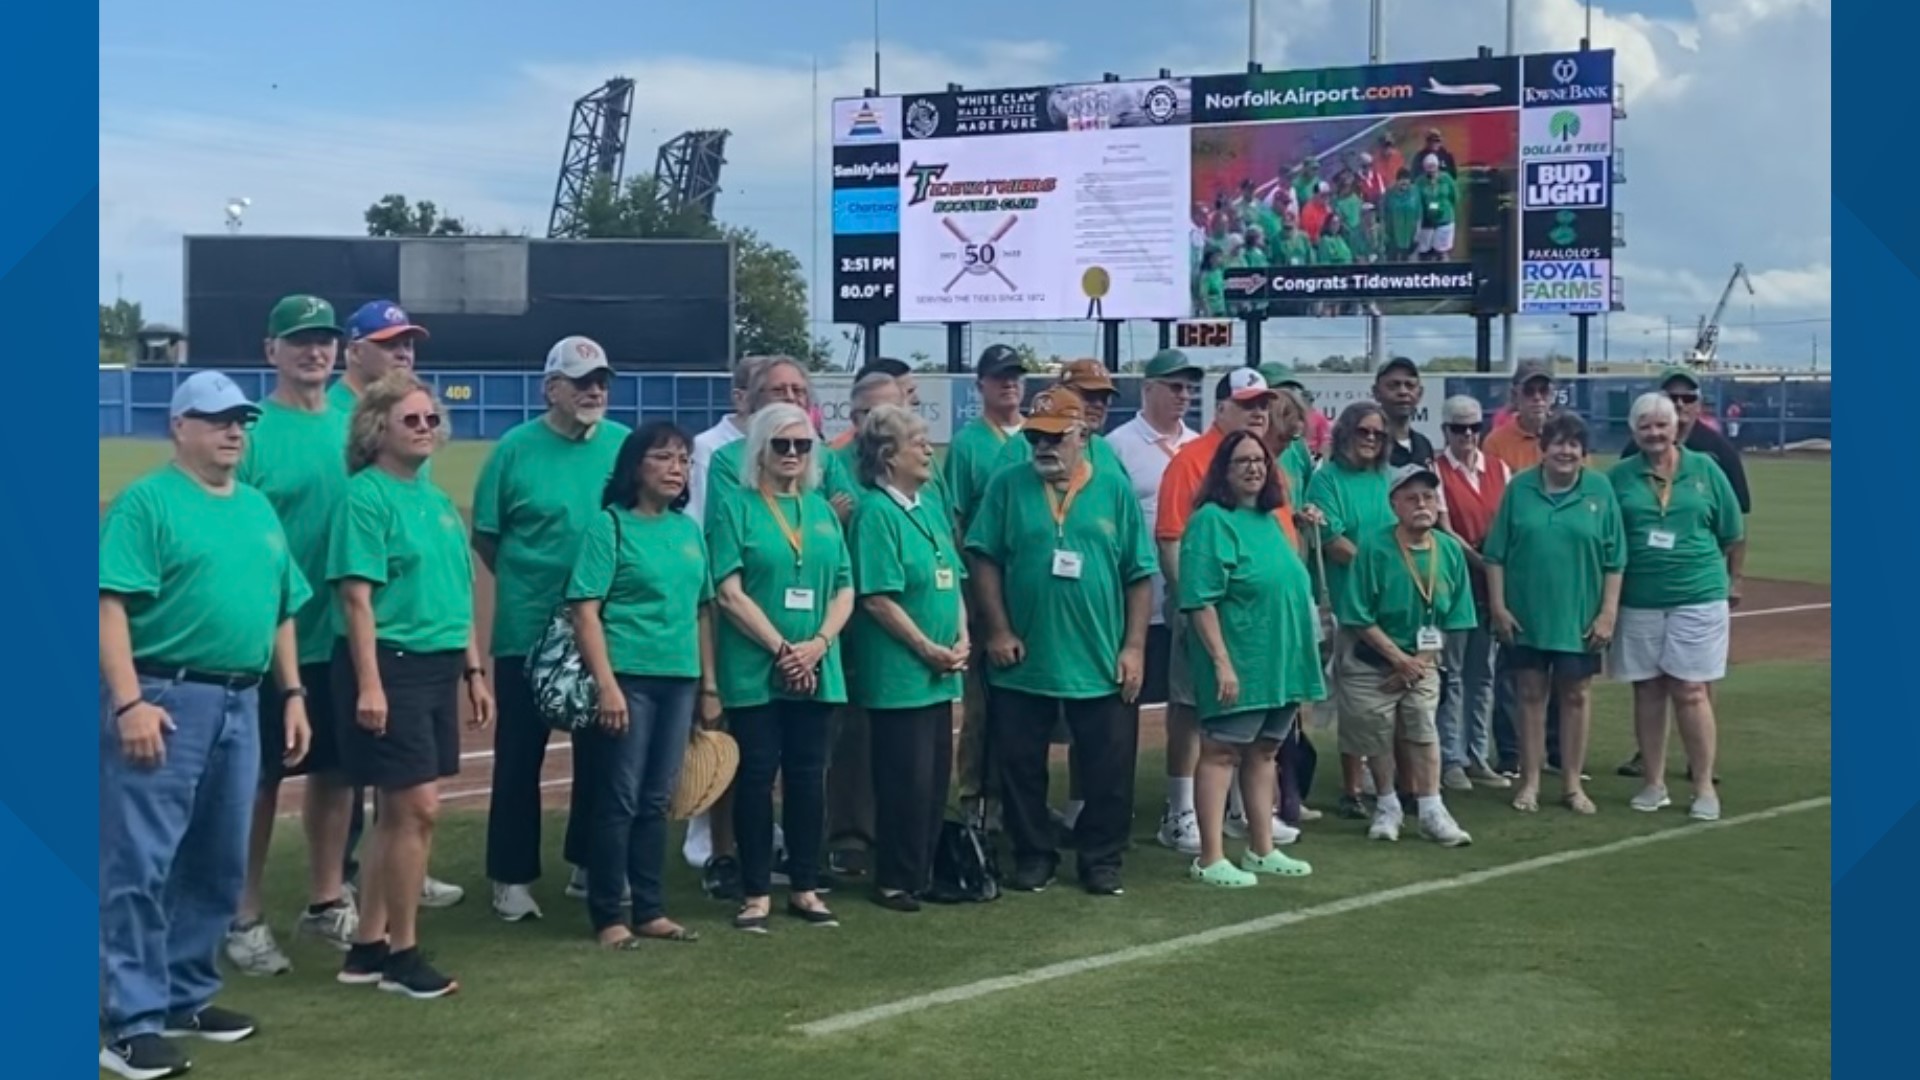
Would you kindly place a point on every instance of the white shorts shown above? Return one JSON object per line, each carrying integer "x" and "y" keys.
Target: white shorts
{"x": 1687, "y": 643}
{"x": 1438, "y": 239}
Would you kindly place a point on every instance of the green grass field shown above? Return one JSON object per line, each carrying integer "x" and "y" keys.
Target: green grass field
{"x": 1703, "y": 955}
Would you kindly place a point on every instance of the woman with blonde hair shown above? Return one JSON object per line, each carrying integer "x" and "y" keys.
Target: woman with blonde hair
{"x": 1686, "y": 543}
{"x": 783, "y": 580}
{"x": 399, "y": 564}
{"x": 907, "y": 646}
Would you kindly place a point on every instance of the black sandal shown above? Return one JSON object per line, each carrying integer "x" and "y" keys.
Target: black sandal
{"x": 752, "y": 924}
{"x": 625, "y": 944}
{"x": 678, "y": 933}
{"x": 822, "y": 917}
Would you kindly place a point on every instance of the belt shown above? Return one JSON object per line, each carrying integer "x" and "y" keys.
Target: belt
{"x": 187, "y": 675}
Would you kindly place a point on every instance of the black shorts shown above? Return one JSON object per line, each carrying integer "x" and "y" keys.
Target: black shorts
{"x": 323, "y": 752}
{"x": 422, "y": 740}
{"x": 1560, "y": 666}
{"x": 1153, "y": 685}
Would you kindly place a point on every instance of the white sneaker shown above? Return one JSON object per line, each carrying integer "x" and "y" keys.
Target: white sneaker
{"x": 1650, "y": 799}
{"x": 1181, "y": 832}
{"x": 435, "y": 893}
{"x": 698, "y": 847}
{"x": 1387, "y": 817}
{"x": 1455, "y": 779}
{"x": 1439, "y": 827}
{"x": 1235, "y": 827}
{"x": 254, "y": 951}
{"x": 514, "y": 903}
{"x": 1705, "y": 808}
{"x": 335, "y": 925}
{"x": 1283, "y": 833}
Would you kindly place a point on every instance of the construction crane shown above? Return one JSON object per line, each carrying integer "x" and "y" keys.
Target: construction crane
{"x": 1707, "y": 342}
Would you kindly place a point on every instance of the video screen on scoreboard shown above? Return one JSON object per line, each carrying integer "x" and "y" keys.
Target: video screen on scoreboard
{"x": 1393, "y": 189}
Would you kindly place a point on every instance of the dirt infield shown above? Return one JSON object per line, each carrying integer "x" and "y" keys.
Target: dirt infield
{"x": 1776, "y": 620}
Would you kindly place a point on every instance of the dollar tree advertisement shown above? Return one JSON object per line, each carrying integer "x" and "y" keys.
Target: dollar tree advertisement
{"x": 1566, "y": 184}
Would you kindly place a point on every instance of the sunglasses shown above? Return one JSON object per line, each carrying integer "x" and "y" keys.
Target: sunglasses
{"x": 1043, "y": 438}
{"x": 242, "y": 419}
{"x": 1370, "y": 434}
{"x": 597, "y": 380}
{"x": 422, "y": 421}
{"x": 791, "y": 447}
{"x": 1680, "y": 397}
{"x": 1462, "y": 429}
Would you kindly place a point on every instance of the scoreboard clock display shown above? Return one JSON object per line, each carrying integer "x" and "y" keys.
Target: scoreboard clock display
{"x": 1205, "y": 334}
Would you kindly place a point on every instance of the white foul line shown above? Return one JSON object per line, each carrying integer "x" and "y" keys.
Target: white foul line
{"x": 844, "y": 1022}
{"x": 1784, "y": 610}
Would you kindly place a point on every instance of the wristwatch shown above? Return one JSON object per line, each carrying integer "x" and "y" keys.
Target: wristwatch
{"x": 292, "y": 692}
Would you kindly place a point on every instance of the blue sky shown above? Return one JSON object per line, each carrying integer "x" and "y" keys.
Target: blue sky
{"x": 313, "y": 115}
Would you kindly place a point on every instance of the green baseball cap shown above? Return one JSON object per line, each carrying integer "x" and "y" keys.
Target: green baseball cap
{"x": 1680, "y": 373}
{"x": 1170, "y": 362}
{"x": 300, "y": 313}
{"x": 1275, "y": 374}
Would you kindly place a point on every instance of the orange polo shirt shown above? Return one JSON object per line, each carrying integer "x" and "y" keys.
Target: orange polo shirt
{"x": 1510, "y": 443}
{"x": 1181, "y": 483}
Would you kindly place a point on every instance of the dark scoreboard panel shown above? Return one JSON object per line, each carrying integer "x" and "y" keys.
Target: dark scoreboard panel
{"x": 489, "y": 302}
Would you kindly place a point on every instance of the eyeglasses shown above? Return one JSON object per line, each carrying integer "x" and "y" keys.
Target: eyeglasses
{"x": 1178, "y": 387}
{"x": 1680, "y": 397}
{"x": 422, "y": 421}
{"x": 242, "y": 420}
{"x": 791, "y": 447}
{"x": 668, "y": 457}
{"x": 1251, "y": 464}
{"x": 1370, "y": 434}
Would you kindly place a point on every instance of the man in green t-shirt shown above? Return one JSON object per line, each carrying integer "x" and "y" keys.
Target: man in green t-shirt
{"x": 295, "y": 456}
{"x": 1065, "y": 566}
{"x": 198, "y": 592}
{"x": 539, "y": 489}
{"x": 1406, "y": 588}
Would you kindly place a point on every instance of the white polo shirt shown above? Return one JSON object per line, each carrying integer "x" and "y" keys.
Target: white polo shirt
{"x": 1146, "y": 453}
{"x": 705, "y": 445}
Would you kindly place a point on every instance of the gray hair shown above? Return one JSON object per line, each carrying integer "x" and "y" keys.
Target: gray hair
{"x": 868, "y": 383}
{"x": 886, "y": 430}
{"x": 758, "y": 379}
{"x": 1652, "y": 403}
{"x": 748, "y": 369}
{"x": 1346, "y": 431}
{"x": 760, "y": 432}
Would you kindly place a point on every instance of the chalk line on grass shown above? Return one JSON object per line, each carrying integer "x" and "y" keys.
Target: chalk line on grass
{"x": 1788, "y": 610}
{"x": 844, "y": 1022}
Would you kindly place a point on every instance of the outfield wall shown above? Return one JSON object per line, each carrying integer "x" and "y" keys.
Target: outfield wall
{"x": 1776, "y": 409}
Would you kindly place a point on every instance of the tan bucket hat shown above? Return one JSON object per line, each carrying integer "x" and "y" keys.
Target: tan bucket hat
{"x": 705, "y": 773}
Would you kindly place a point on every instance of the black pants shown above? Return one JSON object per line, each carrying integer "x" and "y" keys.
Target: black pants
{"x": 1106, "y": 734}
{"x": 787, "y": 739}
{"x": 912, "y": 765}
{"x": 633, "y": 775}
{"x": 519, "y": 754}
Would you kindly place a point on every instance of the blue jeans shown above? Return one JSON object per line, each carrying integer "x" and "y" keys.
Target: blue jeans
{"x": 1506, "y": 715}
{"x": 633, "y": 775}
{"x": 173, "y": 852}
{"x": 1466, "y": 698}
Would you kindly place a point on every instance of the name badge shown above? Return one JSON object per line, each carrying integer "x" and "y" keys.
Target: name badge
{"x": 1066, "y": 564}
{"x": 799, "y": 599}
{"x": 943, "y": 579}
{"x": 1429, "y": 639}
{"x": 1660, "y": 539}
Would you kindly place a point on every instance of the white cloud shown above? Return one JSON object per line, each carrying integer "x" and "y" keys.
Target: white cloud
{"x": 1728, "y": 143}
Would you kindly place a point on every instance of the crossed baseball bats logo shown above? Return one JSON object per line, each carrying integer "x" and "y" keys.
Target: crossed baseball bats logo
{"x": 981, "y": 267}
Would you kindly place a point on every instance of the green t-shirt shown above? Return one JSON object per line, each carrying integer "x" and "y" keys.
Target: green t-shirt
{"x": 650, "y": 589}
{"x": 1380, "y": 591}
{"x": 972, "y": 459}
{"x": 1072, "y": 627}
{"x": 405, "y": 537}
{"x": 207, "y": 579}
{"x": 1239, "y": 563}
{"x": 1402, "y": 216}
{"x": 1556, "y": 551}
{"x": 1348, "y": 207}
{"x": 1294, "y": 249}
{"x": 1213, "y": 292}
{"x": 342, "y": 398}
{"x": 1355, "y": 504}
{"x": 1296, "y": 461}
{"x": 1437, "y": 199}
{"x": 723, "y": 472}
{"x": 745, "y": 538}
{"x": 908, "y": 555}
{"x": 298, "y": 460}
{"x": 536, "y": 494}
{"x": 1675, "y": 557}
{"x": 1334, "y": 251}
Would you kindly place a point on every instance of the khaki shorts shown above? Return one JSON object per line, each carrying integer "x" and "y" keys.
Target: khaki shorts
{"x": 1179, "y": 674}
{"x": 1373, "y": 717}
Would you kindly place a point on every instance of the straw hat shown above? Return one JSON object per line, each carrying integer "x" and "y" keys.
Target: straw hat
{"x": 712, "y": 758}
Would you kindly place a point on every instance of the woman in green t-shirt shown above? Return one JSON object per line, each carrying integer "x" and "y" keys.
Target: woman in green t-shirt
{"x": 1249, "y": 602}
{"x": 402, "y": 573}
{"x": 1554, "y": 557}
{"x": 782, "y": 578}
{"x": 640, "y": 593}
{"x": 907, "y": 646}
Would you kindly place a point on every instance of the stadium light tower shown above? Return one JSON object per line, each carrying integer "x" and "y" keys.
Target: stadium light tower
{"x": 235, "y": 208}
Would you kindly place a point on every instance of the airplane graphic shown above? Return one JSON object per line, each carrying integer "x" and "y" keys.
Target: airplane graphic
{"x": 1435, "y": 86}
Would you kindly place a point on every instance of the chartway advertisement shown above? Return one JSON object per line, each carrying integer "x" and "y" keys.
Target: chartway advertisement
{"x": 1010, "y": 227}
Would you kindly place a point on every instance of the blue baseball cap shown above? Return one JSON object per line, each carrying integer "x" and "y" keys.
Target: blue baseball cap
{"x": 381, "y": 320}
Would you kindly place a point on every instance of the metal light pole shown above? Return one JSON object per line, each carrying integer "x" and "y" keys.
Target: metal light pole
{"x": 1376, "y": 325}
{"x": 1253, "y": 31}
{"x": 1506, "y": 320}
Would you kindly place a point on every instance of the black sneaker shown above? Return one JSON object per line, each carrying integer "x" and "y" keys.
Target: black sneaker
{"x": 721, "y": 880}
{"x": 1033, "y": 876}
{"x": 212, "y": 1023}
{"x": 1103, "y": 881}
{"x": 1352, "y": 808}
{"x": 409, "y": 973}
{"x": 364, "y": 964}
{"x": 1631, "y": 767}
{"x": 144, "y": 1057}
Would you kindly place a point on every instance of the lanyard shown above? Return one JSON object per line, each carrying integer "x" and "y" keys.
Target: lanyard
{"x": 1060, "y": 507}
{"x": 1433, "y": 571}
{"x": 939, "y": 556}
{"x": 790, "y": 531}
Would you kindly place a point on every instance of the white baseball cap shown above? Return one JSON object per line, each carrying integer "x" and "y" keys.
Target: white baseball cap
{"x": 210, "y": 394}
{"x": 576, "y": 357}
{"x": 1243, "y": 384}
